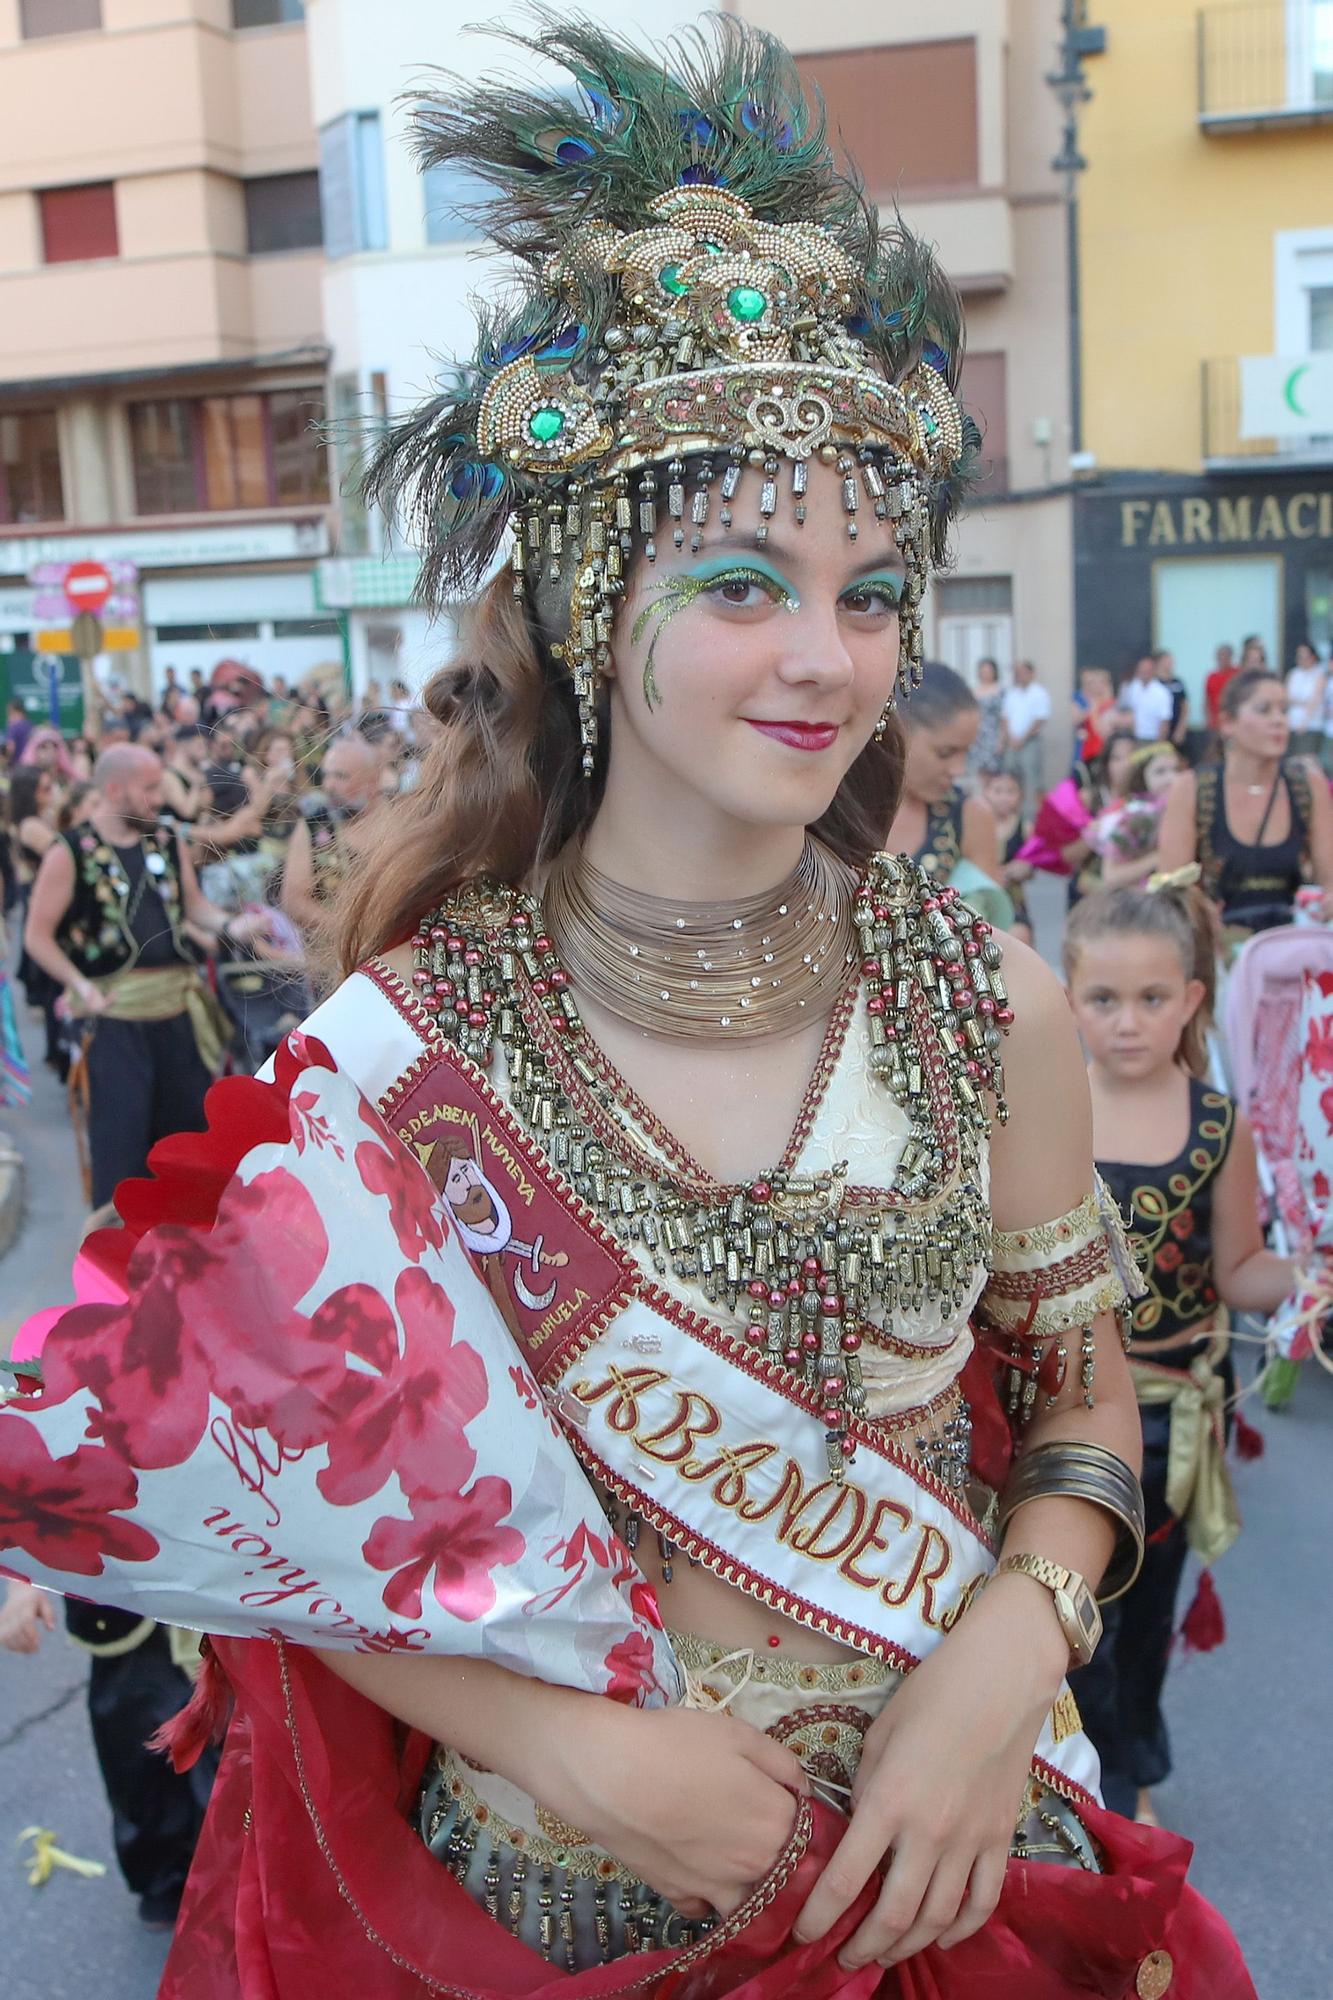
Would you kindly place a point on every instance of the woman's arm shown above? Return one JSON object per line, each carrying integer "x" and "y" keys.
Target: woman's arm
{"x": 1178, "y": 841}
{"x": 1124, "y": 874}
{"x": 946, "y": 1763}
{"x": 35, "y": 834}
{"x": 980, "y": 842}
{"x": 1249, "y": 1277}
{"x": 697, "y": 1805}
{"x": 1321, "y": 833}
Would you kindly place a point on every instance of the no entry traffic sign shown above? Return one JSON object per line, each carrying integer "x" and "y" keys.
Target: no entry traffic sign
{"x": 88, "y": 585}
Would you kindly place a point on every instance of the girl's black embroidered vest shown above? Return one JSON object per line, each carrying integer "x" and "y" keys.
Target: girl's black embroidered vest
{"x": 1169, "y": 1213}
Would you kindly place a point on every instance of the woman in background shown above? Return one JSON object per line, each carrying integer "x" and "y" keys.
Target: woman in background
{"x": 936, "y": 823}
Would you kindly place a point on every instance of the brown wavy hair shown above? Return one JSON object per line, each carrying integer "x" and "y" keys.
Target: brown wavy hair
{"x": 501, "y": 789}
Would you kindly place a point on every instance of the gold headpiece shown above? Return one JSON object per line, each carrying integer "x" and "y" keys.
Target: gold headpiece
{"x": 703, "y": 292}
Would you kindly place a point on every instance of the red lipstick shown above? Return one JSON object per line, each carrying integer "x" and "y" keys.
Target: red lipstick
{"x": 798, "y": 735}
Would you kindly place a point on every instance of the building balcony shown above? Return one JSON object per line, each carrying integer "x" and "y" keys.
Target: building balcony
{"x": 1264, "y": 63}
{"x": 1226, "y": 448}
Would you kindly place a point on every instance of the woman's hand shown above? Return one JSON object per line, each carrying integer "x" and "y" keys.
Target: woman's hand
{"x": 697, "y": 1805}
{"x": 941, "y": 1780}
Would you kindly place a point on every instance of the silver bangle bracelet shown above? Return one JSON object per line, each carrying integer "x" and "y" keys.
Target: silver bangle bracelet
{"x": 1086, "y": 1472}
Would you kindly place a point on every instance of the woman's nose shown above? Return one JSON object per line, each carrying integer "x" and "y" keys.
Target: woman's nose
{"x": 814, "y": 648}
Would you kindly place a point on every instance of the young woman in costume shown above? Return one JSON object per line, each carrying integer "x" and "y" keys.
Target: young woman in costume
{"x": 1260, "y": 823}
{"x": 744, "y": 1125}
{"x": 936, "y": 822}
{"x": 1178, "y": 1157}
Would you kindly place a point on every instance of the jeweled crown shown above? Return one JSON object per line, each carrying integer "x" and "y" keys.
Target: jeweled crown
{"x": 700, "y": 290}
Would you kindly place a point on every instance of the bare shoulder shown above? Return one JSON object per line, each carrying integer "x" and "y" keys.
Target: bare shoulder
{"x": 1035, "y": 993}
{"x": 1042, "y": 1157}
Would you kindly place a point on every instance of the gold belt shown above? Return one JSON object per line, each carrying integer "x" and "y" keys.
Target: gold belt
{"x": 1198, "y": 1485}
{"x": 160, "y": 993}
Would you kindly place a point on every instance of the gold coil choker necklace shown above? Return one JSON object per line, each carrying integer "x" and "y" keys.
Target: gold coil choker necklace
{"x": 764, "y": 965}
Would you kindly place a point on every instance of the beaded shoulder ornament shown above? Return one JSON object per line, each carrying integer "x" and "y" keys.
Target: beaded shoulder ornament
{"x": 699, "y": 291}
{"x": 815, "y": 1266}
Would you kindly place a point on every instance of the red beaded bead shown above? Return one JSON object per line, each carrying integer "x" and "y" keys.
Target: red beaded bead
{"x": 472, "y": 956}
{"x": 757, "y": 1288}
{"x": 438, "y": 934}
{"x": 810, "y": 1342}
{"x": 793, "y": 1288}
{"x": 559, "y": 979}
{"x": 850, "y": 1341}
{"x": 761, "y": 1191}
{"x": 777, "y": 1300}
{"x": 875, "y": 1004}
{"x": 452, "y": 943}
{"x": 811, "y": 1267}
{"x": 831, "y": 1304}
{"x": 792, "y": 1357}
{"x": 541, "y": 987}
{"x": 477, "y": 1018}
{"x": 848, "y": 1447}
{"x": 542, "y": 946}
{"x": 1005, "y": 1016}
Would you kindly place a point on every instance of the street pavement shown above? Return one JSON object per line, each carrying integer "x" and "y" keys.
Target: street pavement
{"x": 1249, "y": 1722}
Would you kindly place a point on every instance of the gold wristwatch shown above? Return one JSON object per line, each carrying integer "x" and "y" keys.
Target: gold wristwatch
{"x": 1075, "y": 1605}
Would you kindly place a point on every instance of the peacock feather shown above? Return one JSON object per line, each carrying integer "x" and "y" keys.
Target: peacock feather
{"x": 721, "y": 105}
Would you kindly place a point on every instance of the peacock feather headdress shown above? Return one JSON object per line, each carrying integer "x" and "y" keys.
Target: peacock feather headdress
{"x": 699, "y": 291}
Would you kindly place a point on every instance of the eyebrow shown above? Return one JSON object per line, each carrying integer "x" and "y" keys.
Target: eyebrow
{"x": 780, "y": 551}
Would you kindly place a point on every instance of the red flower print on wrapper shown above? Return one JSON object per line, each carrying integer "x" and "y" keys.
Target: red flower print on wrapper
{"x": 1169, "y": 1256}
{"x": 630, "y": 1666}
{"x": 415, "y": 1209}
{"x": 457, "y": 1537}
{"x": 411, "y": 1418}
{"x": 66, "y": 1513}
{"x": 207, "y": 1314}
{"x": 1182, "y": 1225}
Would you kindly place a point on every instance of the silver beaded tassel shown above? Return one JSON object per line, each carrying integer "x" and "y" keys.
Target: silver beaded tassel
{"x": 611, "y": 519}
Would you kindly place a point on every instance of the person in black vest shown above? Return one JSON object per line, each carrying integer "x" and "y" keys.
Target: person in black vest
{"x": 325, "y": 837}
{"x": 108, "y": 918}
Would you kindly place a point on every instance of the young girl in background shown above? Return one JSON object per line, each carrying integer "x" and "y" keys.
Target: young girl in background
{"x": 1003, "y": 792}
{"x": 1125, "y": 834}
{"x": 1178, "y": 1158}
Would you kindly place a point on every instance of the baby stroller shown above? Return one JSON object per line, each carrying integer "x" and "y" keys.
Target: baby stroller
{"x": 1279, "y": 1047}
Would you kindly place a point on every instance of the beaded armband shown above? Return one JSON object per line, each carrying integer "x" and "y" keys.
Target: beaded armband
{"x": 1048, "y": 1282}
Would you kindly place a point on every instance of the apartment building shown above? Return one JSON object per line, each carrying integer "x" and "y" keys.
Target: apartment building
{"x": 947, "y": 112}
{"x": 162, "y": 355}
{"x": 403, "y": 264}
{"x": 1207, "y": 213}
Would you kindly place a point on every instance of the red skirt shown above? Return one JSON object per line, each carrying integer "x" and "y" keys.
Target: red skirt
{"x": 311, "y": 1883}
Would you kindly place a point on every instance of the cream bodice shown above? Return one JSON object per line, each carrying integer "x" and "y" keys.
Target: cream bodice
{"x": 852, "y": 1120}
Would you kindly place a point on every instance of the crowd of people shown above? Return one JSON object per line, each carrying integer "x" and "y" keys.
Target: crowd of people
{"x": 205, "y": 836}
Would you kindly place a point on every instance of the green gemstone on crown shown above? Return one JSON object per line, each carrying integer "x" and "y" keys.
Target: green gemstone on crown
{"x": 745, "y": 302}
{"x": 670, "y": 280}
{"x": 546, "y": 425}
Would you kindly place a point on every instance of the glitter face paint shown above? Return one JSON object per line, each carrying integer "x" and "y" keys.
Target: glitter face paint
{"x": 676, "y": 593}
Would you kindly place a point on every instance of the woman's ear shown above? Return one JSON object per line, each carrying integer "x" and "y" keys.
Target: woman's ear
{"x": 1194, "y": 994}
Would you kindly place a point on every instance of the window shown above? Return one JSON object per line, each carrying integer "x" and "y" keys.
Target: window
{"x": 282, "y": 213}
{"x": 79, "y": 222}
{"x": 229, "y": 452}
{"x": 1309, "y": 38}
{"x": 307, "y": 628}
{"x": 351, "y": 184}
{"x": 974, "y": 621}
{"x": 446, "y": 192}
{"x": 58, "y": 17}
{"x": 1321, "y": 319}
{"x": 298, "y": 450}
{"x": 265, "y": 13}
{"x": 982, "y": 393}
{"x": 905, "y": 112}
{"x": 191, "y": 635}
{"x": 30, "y": 488}
{"x": 1199, "y": 600}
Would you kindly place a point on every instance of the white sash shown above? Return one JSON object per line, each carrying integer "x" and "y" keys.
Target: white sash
{"x": 691, "y": 1426}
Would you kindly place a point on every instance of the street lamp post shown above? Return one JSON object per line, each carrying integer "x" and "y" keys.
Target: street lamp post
{"x": 1069, "y": 82}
